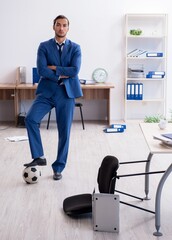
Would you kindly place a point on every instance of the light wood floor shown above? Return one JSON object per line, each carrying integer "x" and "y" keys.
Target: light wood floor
{"x": 34, "y": 212}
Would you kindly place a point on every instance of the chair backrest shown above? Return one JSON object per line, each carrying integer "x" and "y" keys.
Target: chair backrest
{"x": 107, "y": 174}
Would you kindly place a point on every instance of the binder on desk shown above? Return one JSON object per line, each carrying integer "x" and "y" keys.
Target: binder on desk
{"x": 35, "y": 76}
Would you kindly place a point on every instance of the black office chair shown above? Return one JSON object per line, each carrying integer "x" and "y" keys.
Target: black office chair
{"x": 82, "y": 203}
{"x": 77, "y": 104}
{"x": 107, "y": 175}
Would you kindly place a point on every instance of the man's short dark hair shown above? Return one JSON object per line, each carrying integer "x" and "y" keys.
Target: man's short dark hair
{"x": 60, "y": 17}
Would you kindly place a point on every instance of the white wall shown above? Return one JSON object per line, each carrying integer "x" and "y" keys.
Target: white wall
{"x": 97, "y": 25}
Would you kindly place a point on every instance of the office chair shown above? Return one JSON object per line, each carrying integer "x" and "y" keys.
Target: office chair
{"x": 107, "y": 175}
{"x": 82, "y": 203}
{"x": 35, "y": 79}
{"x": 77, "y": 104}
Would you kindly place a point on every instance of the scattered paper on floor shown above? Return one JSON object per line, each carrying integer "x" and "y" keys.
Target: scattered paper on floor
{"x": 16, "y": 138}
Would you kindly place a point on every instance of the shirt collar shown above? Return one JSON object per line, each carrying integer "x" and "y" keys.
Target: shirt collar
{"x": 60, "y": 43}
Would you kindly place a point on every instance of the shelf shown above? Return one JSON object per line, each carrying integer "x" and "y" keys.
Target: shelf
{"x": 147, "y": 100}
{"x": 146, "y": 36}
{"x": 146, "y": 58}
{"x": 145, "y": 79}
{"x": 152, "y": 91}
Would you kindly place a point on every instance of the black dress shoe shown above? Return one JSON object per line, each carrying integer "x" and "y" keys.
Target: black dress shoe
{"x": 57, "y": 176}
{"x": 36, "y": 162}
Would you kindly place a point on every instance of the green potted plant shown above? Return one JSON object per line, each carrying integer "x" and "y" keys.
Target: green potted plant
{"x": 153, "y": 119}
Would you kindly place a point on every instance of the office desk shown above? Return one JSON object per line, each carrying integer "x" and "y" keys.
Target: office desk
{"x": 97, "y": 91}
{"x": 150, "y": 129}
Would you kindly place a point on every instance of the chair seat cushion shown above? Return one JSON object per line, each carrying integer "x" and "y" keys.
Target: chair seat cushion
{"x": 78, "y": 204}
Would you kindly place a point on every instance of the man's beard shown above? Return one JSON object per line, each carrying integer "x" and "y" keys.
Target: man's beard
{"x": 60, "y": 36}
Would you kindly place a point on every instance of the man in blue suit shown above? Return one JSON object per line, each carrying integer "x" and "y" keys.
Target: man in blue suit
{"x": 58, "y": 64}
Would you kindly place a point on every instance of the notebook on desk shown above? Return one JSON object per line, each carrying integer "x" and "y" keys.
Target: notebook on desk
{"x": 167, "y": 135}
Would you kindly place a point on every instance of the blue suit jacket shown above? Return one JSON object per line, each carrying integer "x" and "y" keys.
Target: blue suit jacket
{"x": 68, "y": 65}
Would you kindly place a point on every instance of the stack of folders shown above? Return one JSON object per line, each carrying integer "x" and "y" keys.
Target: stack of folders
{"x": 155, "y": 74}
{"x": 154, "y": 54}
{"x": 136, "y": 53}
{"x": 115, "y": 128}
{"x": 134, "y": 91}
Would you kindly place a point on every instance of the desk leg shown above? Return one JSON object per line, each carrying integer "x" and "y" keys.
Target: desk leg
{"x": 158, "y": 200}
{"x": 108, "y": 108}
{"x": 147, "y": 175}
{"x": 16, "y": 102}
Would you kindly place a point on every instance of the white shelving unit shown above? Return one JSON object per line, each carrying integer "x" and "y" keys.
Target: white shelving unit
{"x": 153, "y": 39}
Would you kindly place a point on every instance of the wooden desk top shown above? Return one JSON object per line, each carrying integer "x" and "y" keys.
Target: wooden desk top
{"x": 83, "y": 86}
{"x": 151, "y": 129}
{"x": 106, "y": 85}
{"x": 26, "y": 86}
{"x": 7, "y": 86}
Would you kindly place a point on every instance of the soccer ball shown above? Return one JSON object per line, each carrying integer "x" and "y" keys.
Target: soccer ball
{"x": 31, "y": 175}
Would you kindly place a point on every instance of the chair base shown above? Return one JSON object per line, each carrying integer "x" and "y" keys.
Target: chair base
{"x": 105, "y": 212}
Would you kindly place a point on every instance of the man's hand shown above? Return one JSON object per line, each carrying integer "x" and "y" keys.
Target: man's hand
{"x": 62, "y": 76}
{"x": 52, "y": 67}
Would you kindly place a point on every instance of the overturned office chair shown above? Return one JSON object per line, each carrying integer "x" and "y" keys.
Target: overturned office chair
{"x": 104, "y": 206}
{"x": 77, "y": 104}
{"x": 80, "y": 204}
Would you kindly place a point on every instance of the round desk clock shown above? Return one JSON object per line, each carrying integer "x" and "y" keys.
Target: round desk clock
{"x": 99, "y": 75}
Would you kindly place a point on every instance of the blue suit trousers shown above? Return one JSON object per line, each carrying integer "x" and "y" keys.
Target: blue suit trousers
{"x": 64, "y": 108}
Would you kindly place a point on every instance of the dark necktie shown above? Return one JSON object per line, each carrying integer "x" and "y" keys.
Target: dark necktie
{"x": 60, "y": 81}
{"x": 60, "y": 48}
